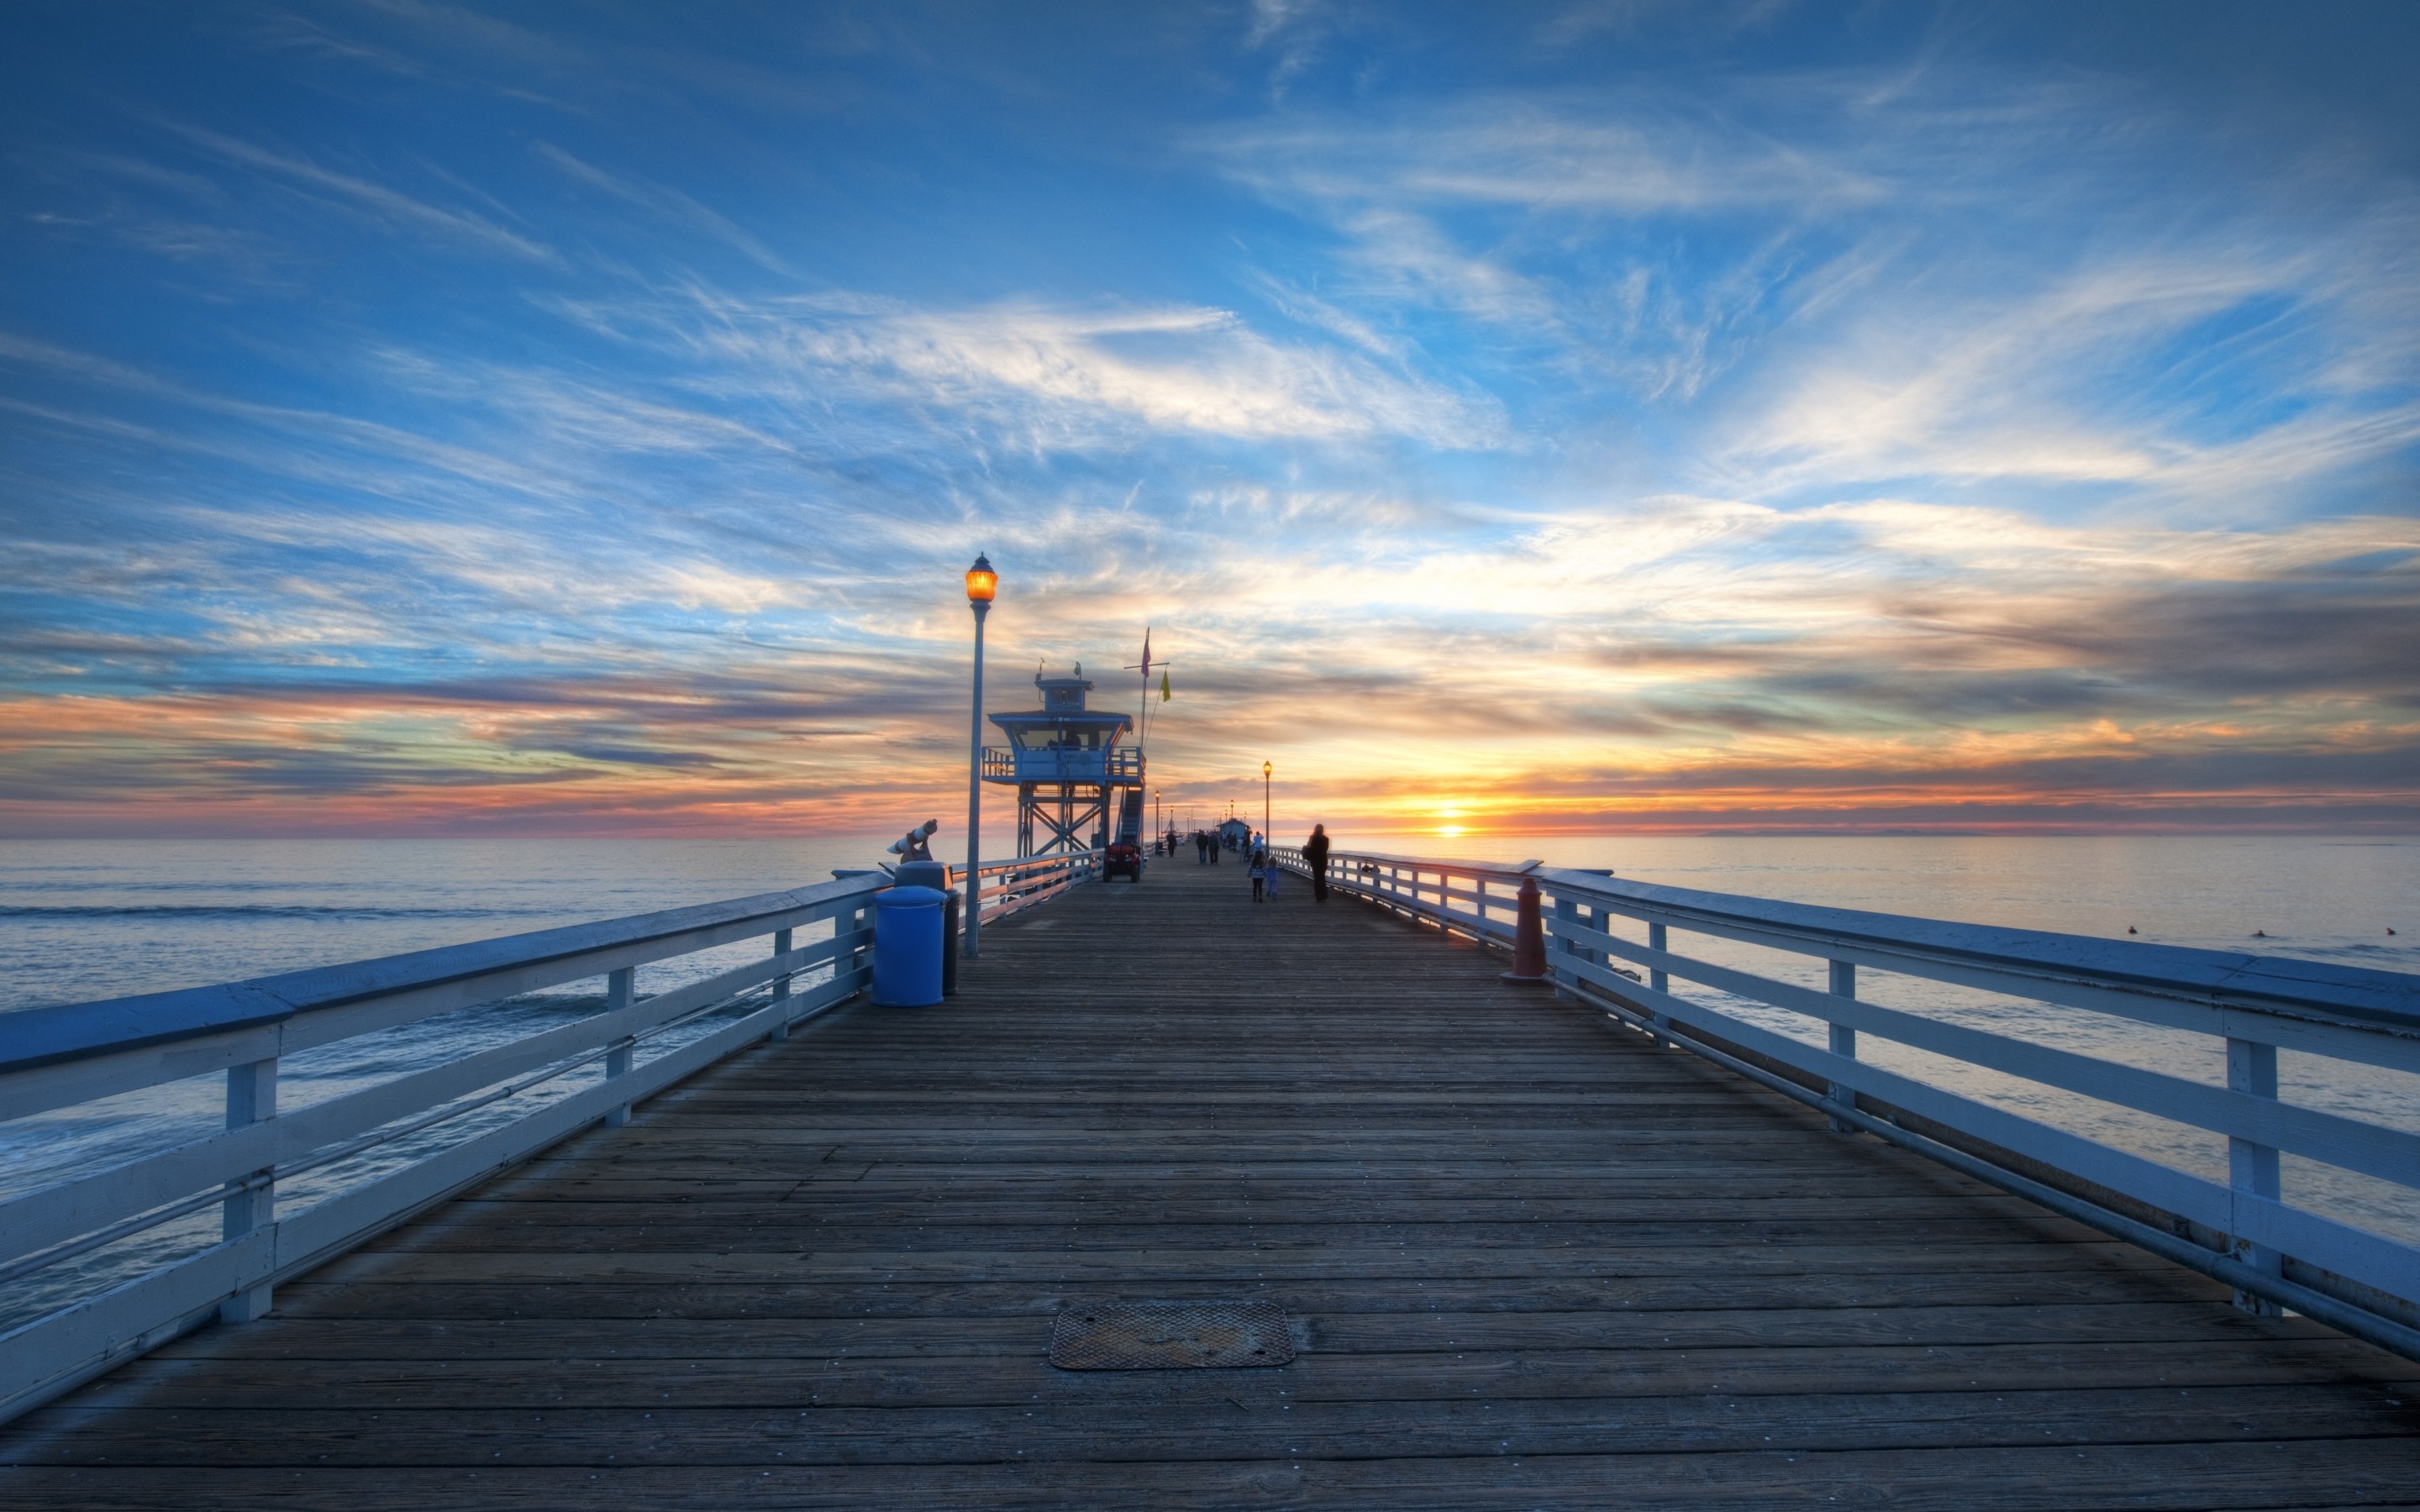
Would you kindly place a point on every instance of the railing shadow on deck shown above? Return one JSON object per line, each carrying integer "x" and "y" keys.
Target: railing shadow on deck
{"x": 424, "y": 1135}
{"x": 2248, "y": 1231}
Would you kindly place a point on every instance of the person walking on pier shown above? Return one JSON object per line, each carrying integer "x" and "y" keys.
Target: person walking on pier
{"x": 1314, "y": 851}
{"x": 1260, "y": 864}
{"x": 1201, "y": 849}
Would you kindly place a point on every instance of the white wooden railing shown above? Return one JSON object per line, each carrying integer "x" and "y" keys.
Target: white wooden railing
{"x": 1609, "y": 942}
{"x": 1009, "y": 888}
{"x": 53, "y": 1058}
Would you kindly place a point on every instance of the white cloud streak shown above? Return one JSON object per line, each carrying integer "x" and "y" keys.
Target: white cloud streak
{"x": 1060, "y": 375}
{"x": 666, "y": 203}
{"x": 372, "y": 198}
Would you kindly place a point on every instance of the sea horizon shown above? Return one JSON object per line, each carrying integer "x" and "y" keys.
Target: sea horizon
{"x": 86, "y": 919}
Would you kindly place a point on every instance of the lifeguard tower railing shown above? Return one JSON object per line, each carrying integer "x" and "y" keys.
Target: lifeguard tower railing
{"x": 1110, "y": 764}
{"x": 1610, "y": 943}
{"x": 369, "y": 1159}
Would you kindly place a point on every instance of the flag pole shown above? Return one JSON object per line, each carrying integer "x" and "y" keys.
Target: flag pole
{"x": 1143, "y": 714}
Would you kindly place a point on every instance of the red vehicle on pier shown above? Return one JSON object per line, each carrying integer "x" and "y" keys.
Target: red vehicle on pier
{"x": 1127, "y": 856}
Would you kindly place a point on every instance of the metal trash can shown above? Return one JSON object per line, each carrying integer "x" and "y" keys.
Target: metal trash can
{"x": 907, "y": 948}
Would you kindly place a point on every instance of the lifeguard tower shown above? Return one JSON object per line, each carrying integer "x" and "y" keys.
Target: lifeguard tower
{"x": 1069, "y": 771}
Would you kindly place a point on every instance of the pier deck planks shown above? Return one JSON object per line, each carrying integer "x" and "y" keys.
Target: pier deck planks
{"x": 1533, "y": 1262}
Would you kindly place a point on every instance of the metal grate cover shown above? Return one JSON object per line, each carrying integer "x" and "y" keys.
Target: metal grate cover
{"x": 1171, "y": 1336}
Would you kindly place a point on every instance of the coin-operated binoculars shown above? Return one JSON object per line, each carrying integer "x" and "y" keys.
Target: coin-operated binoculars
{"x": 917, "y": 868}
{"x": 914, "y": 846}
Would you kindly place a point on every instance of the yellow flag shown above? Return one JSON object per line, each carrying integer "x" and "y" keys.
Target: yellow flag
{"x": 1163, "y": 688}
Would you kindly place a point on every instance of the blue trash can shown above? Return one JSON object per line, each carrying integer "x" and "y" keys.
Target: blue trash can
{"x": 936, "y": 875}
{"x": 907, "y": 948}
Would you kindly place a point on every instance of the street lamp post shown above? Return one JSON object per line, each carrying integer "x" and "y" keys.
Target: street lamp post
{"x": 1267, "y": 839}
{"x": 982, "y": 583}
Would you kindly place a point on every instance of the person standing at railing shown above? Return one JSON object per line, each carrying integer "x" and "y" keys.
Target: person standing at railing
{"x": 1315, "y": 852}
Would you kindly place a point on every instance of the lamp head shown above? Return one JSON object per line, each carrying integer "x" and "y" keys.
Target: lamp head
{"x": 982, "y": 582}
{"x": 1266, "y": 768}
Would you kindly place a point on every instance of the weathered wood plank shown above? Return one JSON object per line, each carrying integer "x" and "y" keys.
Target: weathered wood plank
{"x": 1310, "y": 1297}
{"x": 1499, "y": 1375}
{"x": 1256, "y": 1424}
{"x": 2173, "y": 1477}
{"x": 483, "y": 1342}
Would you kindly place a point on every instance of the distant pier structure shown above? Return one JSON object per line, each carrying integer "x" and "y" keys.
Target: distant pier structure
{"x": 1072, "y": 778}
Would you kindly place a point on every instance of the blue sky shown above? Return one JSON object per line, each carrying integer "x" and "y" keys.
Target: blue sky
{"x": 426, "y": 418}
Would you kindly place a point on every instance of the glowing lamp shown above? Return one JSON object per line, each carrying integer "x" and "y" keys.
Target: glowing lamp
{"x": 982, "y": 582}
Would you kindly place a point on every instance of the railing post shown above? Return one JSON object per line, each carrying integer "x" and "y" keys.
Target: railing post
{"x": 782, "y": 985}
{"x": 1567, "y": 910}
{"x": 1844, "y": 1039}
{"x": 2252, "y": 1067}
{"x": 1601, "y": 920}
{"x": 619, "y": 994}
{"x": 250, "y": 1098}
{"x": 1659, "y": 981}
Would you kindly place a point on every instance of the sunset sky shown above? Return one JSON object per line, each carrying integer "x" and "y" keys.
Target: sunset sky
{"x": 423, "y": 418}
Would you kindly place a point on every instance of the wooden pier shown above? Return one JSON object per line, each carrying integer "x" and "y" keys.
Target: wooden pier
{"x": 1530, "y": 1259}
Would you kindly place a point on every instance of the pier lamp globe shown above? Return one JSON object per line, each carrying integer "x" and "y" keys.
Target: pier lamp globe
{"x": 981, "y": 584}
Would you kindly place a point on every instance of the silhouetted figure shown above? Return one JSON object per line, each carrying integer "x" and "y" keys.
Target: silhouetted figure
{"x": 1260, "y": 876}
{"x": 1314, "y": 851}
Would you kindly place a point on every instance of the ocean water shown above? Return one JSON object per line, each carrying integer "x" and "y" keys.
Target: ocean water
{"x": 2318, "y": 898}
{"x": 84, "y": 921}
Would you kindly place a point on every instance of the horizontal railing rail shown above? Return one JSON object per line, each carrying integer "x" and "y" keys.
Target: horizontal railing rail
{"x": 1007, "y": 888}
{"x": 1112, "y": 763}
{"x": 2247, "y": 1230}
{"x": 595, "y": 1068}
